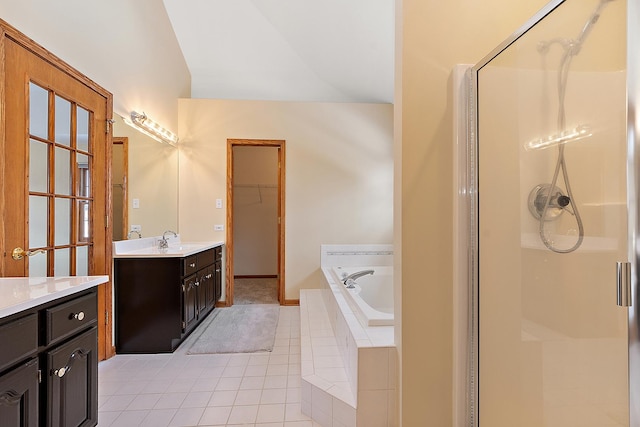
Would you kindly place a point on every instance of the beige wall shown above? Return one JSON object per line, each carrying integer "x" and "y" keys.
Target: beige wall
{"x": 339, "y": 173}
{"x": 432, "y": 38}
{"x": 127, "y": 47}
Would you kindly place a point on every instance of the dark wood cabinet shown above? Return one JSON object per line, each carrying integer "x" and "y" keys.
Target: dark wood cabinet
{"x": 72, "y": 389}
{"x": 190, "y": 302}
{"x": 207, "y": 283}
{"x": 160, "y": 300}
{"x": 49, "y": 364}
{"x": 19, "y": 396}
{"x": 217, "y": 274}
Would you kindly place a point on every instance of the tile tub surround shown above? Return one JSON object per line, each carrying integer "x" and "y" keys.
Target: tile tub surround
{"x": 348, "y": 371}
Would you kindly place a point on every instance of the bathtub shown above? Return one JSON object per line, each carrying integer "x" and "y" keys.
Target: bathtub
{"x": 372, "y": 297}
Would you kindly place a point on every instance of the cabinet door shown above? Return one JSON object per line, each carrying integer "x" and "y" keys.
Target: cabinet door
{"x": 202, "y": 285}
{"x": 207, "y": 282}
{"x": 72, "y": 382}
{"x": 19, "y": 396}
{"x": 218, "y": 280}
{"x": 190, "y": 297}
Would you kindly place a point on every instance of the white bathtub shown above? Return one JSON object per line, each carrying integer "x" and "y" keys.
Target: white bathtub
{"x": 372, "y": 297}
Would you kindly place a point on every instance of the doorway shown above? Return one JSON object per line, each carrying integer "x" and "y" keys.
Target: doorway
{"x": 119, "y": 171}
{"x": 255, "y": 222}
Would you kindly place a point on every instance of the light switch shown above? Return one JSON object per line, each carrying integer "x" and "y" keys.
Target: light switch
{"x": 136, "y": 203}
{"x": 218, "y": 203}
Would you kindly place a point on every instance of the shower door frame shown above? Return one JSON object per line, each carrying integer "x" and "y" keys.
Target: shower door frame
{"x": 633, "y": 198}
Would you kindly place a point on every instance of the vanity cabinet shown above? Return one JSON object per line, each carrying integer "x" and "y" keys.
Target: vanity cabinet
{"x": 49, "y": 364}
{"x": 19, "y": 395}
{"x": 160, "y": 300}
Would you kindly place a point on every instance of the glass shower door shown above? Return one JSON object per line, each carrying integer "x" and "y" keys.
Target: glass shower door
{"x": 553, "y": 222}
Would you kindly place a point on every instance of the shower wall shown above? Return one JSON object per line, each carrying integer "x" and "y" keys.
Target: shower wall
{"x": 552, "y": 342}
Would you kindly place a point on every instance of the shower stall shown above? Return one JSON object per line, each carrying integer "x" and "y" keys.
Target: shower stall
{"x": 554, "y": 170}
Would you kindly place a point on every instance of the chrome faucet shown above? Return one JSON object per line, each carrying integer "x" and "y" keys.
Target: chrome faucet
{"x": 134, "y": 231}
{"x": 163, "y": 244}
{"x": 350, "y": 280}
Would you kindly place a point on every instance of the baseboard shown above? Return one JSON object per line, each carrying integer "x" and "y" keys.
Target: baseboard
{"x": 255, "y": 276}
{"x": 291, "y": 302}
{"x": 222, "y": 304}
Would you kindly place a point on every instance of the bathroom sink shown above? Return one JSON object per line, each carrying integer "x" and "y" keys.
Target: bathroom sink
{"x": 148, "y": 248}
{"x": 185, "y": 247}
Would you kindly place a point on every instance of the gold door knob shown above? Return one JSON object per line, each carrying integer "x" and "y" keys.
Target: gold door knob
{"x": 19, "y": 253}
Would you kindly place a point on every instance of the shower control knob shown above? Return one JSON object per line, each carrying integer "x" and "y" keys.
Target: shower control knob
{"x": 545, "y": 200}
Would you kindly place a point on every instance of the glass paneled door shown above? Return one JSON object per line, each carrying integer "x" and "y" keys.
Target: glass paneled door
{"x": 60, "y": 199}
{"x": 57, "y": 129}
{"x": 552, "y": 342}
{"x": 55, "y": 171}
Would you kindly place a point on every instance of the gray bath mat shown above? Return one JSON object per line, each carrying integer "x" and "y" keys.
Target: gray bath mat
{"x": 239, "y": 329}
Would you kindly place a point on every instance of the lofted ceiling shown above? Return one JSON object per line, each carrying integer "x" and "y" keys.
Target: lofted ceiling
{"x": 287, "y": 50}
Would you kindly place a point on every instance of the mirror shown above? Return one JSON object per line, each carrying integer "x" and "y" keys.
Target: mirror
{"x": 151, "y": 186}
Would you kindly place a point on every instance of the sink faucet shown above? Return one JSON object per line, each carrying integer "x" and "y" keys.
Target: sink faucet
{"x": 163, "y": 244}
{"x": 134, "y": 231}
{"x": 350, "y": 280}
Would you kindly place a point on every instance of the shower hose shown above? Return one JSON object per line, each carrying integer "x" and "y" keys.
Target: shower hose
{"x": 561, "y": 164}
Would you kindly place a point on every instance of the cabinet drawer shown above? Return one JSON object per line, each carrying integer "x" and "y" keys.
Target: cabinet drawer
{"x": 22, "y": 334}
{"x": 65, "y": 319}
{"x": 190, "y": 265}
{"x": 206, "y": 258}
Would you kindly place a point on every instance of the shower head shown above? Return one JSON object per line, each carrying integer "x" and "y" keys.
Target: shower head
{"x": 573, "y": 46}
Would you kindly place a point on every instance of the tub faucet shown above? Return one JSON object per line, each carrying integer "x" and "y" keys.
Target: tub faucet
{"x": 163, "y": 244}
{"x": 350, "y": 280}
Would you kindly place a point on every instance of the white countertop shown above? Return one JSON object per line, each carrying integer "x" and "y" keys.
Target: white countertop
{"x": 22, "y": 293}
{"x": 148, "y": 248}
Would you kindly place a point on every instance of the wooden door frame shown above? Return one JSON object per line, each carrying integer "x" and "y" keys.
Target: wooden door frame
{"x": 105, "y": 309}
{"x": 124, "y": 141}
{"x": 280, "y": 144}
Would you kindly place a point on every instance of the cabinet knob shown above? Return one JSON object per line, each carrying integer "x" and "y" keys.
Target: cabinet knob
{"x": 79, "y": 316}
{"x": 192, "y": 265}
{"x": 60, "y": 372}
{"x": 197, "y": 284}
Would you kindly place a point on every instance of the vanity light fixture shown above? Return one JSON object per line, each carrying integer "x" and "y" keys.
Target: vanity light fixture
{"x": 580, "y": 132}
{"x": 152, "y": 129}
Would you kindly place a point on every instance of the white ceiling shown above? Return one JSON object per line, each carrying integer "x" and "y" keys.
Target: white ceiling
{"x": 287, "y": 50}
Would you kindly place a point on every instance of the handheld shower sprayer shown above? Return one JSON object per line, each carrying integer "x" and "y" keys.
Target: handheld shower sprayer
{"x": 546, "y": 201}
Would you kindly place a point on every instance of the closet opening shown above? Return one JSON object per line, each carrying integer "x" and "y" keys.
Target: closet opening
{"x": 255, "y": 222}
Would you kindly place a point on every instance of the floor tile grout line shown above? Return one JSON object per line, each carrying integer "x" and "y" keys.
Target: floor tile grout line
{"x": 287, "y": 378}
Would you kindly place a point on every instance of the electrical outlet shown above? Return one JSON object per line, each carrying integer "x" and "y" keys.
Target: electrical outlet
{"x": 218, "y": 203}
{"x": 218, "y": 227}
{"x": 137, "y": 228}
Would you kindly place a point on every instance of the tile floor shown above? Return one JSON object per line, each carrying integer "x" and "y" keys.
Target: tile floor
{"x": 159, "y": 390}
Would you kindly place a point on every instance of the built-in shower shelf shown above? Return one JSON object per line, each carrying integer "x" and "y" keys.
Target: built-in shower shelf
{"x": 589, "y": 243}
